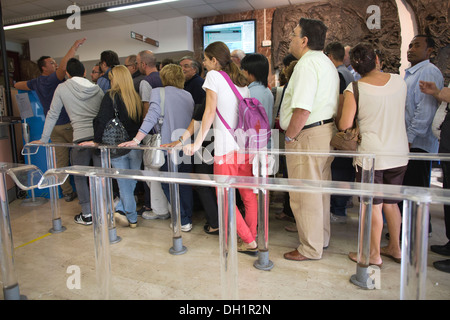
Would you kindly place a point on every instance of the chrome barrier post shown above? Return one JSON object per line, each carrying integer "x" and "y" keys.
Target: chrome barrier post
{"x": 178, "y": 247}
{"x": 56, "y": 215}
{"x": 105, "y": 156}
{"x": 228, "y": 244}
{"x": 413, "y": 276}
{"x": 11, "y": 289}
{"x": 362, "y": 276}
{"x": 99, "y": 208}
{"x": 263, "y": 262}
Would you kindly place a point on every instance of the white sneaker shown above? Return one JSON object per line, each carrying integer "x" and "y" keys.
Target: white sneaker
{"x": 338, "y": 219}
{"x": 184, "y": 228}
{"x": 150, "y": 215}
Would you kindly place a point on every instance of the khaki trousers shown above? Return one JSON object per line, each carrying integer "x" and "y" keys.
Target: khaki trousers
{"x": 311, "y": 210}
{"x": 63, "y": 134}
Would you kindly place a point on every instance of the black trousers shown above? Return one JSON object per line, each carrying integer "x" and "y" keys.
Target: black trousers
{"x": 418, "y": 174}
{"x": 208, "y": 196}
{"x": 445, "y": 165}
{"x": 341, "y": 170}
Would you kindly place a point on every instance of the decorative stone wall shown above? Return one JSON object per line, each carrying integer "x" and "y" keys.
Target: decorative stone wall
{"x": 347, "y": 22}
{"x": 433, "y": 18}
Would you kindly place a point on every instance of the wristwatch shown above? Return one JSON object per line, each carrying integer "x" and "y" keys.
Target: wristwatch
{"x": 288, "y": 139}
{"x": 137, "y": 141}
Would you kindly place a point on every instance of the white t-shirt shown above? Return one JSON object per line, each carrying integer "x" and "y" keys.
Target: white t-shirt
{"x": 227, "y": 104}
{"x": 145, "y": 91}
{"x": 381, "y": 119}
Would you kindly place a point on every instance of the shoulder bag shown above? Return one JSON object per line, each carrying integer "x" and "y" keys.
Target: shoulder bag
{"x": 154, "y": 158}
{"x": 114, "y": 134}
{"x": 349, "y": 139}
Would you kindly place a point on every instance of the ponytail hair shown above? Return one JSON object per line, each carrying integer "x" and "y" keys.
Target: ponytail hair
{"x": 221, "y": 52}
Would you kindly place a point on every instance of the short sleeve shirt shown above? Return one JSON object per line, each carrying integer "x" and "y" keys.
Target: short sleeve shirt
{"x": 45, "y": 87}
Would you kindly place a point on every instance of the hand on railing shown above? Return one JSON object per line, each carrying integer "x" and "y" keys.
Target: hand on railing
{"x": 88, "y": 144}
{"x": 130, "y": 143}
{"x": 36, "y": 142}
{"x": 173, "y": 144}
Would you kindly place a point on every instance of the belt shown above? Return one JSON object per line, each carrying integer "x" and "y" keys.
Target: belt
{"x": 318, "y": 123}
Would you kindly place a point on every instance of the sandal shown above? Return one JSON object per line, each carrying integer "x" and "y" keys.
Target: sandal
{"x": 383, "y": 252}
{"x": 209, "y": 230}
{"x": 243, "y": 248}
{"x": 352, "y": 256}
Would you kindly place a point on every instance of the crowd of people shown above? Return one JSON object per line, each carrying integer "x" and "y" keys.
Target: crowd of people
{"x": 314, "y": 100}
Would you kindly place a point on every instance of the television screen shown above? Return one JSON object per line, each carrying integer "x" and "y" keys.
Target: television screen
{"x": 236, "y": 35}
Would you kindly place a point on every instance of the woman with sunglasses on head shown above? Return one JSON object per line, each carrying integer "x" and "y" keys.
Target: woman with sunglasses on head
{"x": 227, "y": 160}
{"x": 124, "y": 97}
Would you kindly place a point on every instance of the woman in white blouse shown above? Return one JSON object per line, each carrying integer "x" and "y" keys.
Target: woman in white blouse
{"x": 381, "y": 117}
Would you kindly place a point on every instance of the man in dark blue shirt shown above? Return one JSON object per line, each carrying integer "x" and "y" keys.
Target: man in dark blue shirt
{"x": 45, "y": 86}
{"x": 194, "y": 83}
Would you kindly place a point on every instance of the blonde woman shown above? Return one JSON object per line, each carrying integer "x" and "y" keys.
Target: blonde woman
{"x": 129, "y": 107}
{"x": 178, "y": 110}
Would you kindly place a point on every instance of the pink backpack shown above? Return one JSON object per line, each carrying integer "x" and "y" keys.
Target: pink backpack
{"x": 253, "y": 129}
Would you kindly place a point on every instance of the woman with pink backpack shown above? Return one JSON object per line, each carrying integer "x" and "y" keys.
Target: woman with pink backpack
{"x": 222, "y": 113}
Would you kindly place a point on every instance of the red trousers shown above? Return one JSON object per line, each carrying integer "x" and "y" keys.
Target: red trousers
{"x": 233, "y": 164}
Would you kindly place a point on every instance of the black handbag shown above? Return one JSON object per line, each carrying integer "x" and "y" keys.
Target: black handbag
{"x": 114, "y": 134}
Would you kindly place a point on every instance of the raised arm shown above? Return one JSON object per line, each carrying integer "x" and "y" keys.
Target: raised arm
{"x": 61, "y": 71}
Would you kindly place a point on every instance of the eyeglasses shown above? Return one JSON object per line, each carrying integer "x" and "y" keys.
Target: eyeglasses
{"x": 95, "y": 72}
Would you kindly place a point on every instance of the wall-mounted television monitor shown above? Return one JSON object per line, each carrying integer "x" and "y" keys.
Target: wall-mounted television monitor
{"x": 236, "y": 35}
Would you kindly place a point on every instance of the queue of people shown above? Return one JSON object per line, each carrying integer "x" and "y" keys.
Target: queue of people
{"x": 317, "y": 99}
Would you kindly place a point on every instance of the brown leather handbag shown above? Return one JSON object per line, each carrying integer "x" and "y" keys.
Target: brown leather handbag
{"x": 349, "y": 139}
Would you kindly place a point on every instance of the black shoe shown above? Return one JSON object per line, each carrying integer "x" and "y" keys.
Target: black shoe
{"x": 443, "y": 265}
{"x": 210, "y": 230}
{"x": 70, "y": 197}
{"x": 80, "y": 219}
{"x": 444, "y": 250}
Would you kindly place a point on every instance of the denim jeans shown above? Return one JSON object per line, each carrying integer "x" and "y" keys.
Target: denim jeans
{"x": 84, "y": 157}
{"x": 127, "y": 203}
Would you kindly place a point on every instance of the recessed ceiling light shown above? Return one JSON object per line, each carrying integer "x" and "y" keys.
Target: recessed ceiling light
{"x": 138, "y": 5}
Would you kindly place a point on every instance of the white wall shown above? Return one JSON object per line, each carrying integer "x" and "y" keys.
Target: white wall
{"x": 173, "y": 35}
{"x": 408, "y": 31}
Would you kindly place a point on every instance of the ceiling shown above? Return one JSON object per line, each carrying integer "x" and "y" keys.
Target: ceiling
{"x": 16, "y": 11}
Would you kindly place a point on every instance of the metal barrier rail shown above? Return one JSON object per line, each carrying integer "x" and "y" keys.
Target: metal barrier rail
{"x": 26, "y": 177}
{"x": 419, "y": 197}
{"x": 361, "y": 278}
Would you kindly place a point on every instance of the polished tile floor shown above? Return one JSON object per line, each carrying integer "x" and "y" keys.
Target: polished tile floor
{"x": 143, "y": 268}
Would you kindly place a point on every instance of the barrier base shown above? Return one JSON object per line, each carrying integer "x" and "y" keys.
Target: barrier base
{"x": 113, "y": 237}
{"x": 13, "y": 293}
{"x": 362, "y": 279}
{"x": 178, "y": 247}
{"x": 57, "y": 226}
{"x": 263, "y": 262}
{"x": 30, "y": 202}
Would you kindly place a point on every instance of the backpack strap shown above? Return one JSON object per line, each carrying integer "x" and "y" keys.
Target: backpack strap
{"x": 231, "y": 84}
{"x": 236, "y": 92}
{"x": 160, "y": 121}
